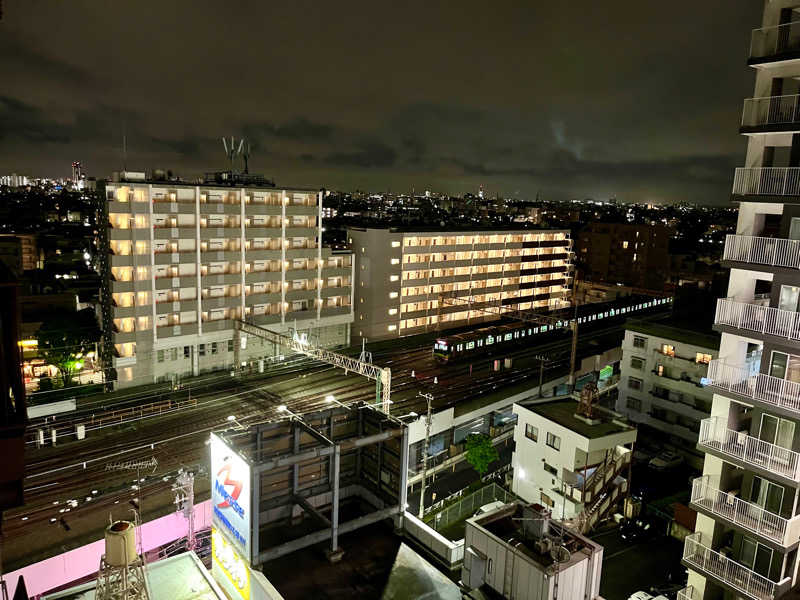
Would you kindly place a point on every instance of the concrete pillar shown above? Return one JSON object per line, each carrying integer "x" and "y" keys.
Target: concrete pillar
{"x": 337, "y": 450}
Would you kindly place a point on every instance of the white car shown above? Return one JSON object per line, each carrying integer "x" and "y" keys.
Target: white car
{"x": 489, "y": 507}
{"x": 646, "y": 596}
{"x": 668, "y": 459}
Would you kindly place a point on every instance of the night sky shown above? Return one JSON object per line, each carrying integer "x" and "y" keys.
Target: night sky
{"x": 628, "y": 98}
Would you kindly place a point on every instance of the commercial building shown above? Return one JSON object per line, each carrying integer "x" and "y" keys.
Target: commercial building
{"x": 625, "y": 253}
{"x": 518, "y": 552}
{"x": 402, "y": 276}
{"x": 663, "y": 377}
{"x": 19, "y": 253}
{"x": 748, "y": 525}
{"x": 186, "y": 261}
{"x": 575, "y": 465}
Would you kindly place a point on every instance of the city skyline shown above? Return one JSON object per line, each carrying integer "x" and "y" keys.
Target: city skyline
{"x": 514, "y": 101}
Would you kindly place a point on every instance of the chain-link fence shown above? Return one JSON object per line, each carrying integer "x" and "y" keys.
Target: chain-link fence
{"x": 468, "y": 505}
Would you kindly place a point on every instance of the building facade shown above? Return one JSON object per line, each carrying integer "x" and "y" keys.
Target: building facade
{"x": 402, "y": 276}
{"x": 552, "y": 443}
{"x": 186, "y": 261}
{"x": 748, "y": 523}
{"x": 663, "y": 378}
{"x": 628, "y": 254}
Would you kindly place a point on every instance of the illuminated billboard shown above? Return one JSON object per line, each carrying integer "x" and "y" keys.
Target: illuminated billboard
{"x": 230, "y": 495}
{"x": 229, "y": 568}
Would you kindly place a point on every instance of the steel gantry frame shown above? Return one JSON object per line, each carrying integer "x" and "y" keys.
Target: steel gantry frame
{"x": 381, "y": 375}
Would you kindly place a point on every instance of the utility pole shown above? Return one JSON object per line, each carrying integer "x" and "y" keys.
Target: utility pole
{"x": 184, "y": 500}
{"x": 429, "y": 398}
{"x": 574, "y": 355}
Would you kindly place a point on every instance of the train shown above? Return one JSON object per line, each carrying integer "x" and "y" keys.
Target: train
{"x": 488, "y": 340}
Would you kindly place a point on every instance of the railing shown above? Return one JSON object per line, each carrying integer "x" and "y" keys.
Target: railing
{"x": 715, "y": 435}
{"x": 776, "y": 40}
{"x": 686, "y": 593}
{"x": 734, "y": 574}
{"x": 771, "y": 110}
{"x": 763, "y": 251}
{"x": 768, "y": 181}
{"x": 761, "y": 319}
{"x": 745, "y": 514}
{"x": 765, "y": 388}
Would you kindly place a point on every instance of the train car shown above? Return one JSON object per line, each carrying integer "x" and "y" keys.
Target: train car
{"x": 488, "y": 340}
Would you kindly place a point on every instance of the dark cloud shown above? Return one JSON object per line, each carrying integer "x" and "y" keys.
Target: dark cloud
{"x": 640, "y": 100}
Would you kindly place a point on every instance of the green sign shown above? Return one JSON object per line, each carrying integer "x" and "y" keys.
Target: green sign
{"x": 606, "y": 372}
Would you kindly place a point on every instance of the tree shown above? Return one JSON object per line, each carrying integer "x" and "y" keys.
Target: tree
{"x": 65, "y": 338}
{"x": 480, "y": 452}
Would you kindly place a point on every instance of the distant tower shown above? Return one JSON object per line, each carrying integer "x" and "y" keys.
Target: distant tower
{"x": 480, "y": 192}
{"x": 76, "y": 172}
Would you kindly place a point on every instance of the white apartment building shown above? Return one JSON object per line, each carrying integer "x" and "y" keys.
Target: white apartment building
{"x": 402, "y": 275}
{"x": 663, "y": 378}
{"x": 186, "y": 261}
{"x": 552, "y": 442}
{"x": 748, "y": 523}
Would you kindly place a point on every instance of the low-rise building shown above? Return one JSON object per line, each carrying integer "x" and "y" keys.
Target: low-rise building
{"x": 663, "y": 378}
{"x": 575, "y": 465}
{"x": 518, "y": 552}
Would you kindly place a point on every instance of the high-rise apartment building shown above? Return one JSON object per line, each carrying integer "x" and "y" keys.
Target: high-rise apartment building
{"x": 748, "y": 524}
{"x": 186, "y": 261}
{"x": 402, "y": 276}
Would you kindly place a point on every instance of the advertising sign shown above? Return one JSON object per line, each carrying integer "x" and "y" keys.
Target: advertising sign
{"x": 229, "y": 569}
{"x": 230, "y": 495}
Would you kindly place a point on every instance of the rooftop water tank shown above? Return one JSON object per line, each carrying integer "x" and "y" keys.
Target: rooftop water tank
{"x": 120, "y": 544}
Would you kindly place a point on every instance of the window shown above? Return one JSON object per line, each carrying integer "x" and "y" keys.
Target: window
{"x": 634, "y": 384}
{"x": 187, "y": 352}
{"x": 531, "y": 432}
{"x": 470, "y": 345}
{"x": 394, "y": 277}
{"x": 551, "y": 469}
{"x": 395, "y": 261}
{"x": 553, "y": 441}
{"x": 213, "y": 347}
{"x": 160, "y": 356}
{"x": 230, "y": 345}
{"x": 391, "y": 295}
{"x": 702, "y": 358}
{"x": 174, "y": 352}
{"x": 395, "y": 244}
{"x": 490, "y": 566}
{"x": 637, "y": 363}
{"x": 639, "y": 342}
{"x": 392, "y": 311}
{"x": 668, "y": 349}
{"x": 624, "y": 245}
{"x": 202, "y": 350}
{"x": 392, "y": 327}
{"x": 634, "y": 404}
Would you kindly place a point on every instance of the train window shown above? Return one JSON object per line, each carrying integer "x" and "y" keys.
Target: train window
{"x": 516, "y": 334}
{"x": 530, "y": 332}
{"x": 544, "y": 328}
{"x": 480, "y": 343}
{"x": 470, "y": 345}
{"x": 508, "y": 336}
{"x": 611, "y": 312}
{"x": 521, "y": 333}
{"x": 459, "y": 348}
{"x": 605, "y": 314}
{"x": 489, "y": 340}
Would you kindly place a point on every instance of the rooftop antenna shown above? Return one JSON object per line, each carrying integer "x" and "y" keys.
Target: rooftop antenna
{"x": 245, "y": 155}
{"x": 231, "y": 152}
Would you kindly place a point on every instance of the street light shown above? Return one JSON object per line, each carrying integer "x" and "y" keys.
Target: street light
{"x": 284, "y": 408}
{"x": 232, "y": 419}
{"x": 330, "y": 399}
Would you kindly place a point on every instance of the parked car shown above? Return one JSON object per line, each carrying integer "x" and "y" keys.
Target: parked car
{"x": 636, "y": 529}
{"x": 489, "y": 507}
{"x": 666, "y": 461}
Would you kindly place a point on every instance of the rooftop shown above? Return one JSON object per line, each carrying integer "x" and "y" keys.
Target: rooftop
{"x": 672, "y": 331}
{"x": 222, "y": 179}
{"x": 464, "y": 229}
{"x": 562, "y": 411}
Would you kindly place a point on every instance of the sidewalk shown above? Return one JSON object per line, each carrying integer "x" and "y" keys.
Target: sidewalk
{"x": 449, "y": 482}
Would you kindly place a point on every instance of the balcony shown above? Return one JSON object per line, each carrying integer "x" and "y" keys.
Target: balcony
{"x": 773, "y": 252}
{"x": 699, "y": 556}
{"x": 777, "y": 43}
{"x": 687, "y": 593}
{"x": 749, "y": 516}
{"x": 758, "y": 318}
{"x": 772, "y": 113}
{"x": 767, "y": 181}
{"x": 748, "y": 450}
{"x": 760, "y": 387}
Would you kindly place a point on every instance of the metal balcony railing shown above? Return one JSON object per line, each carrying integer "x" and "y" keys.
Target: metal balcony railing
{"x": 775, "y": 40}
{"x": 767, "y": 181}
{"x": 775, "y": 391}
{"x": 715, "y": 435}
{"x": 687, "y": 593}
{"x": 758, "y": 318}
{"x": 771, "y": 110}
{"x": 745, "y": 514}
{"x": 698, "y": 554}
{"x": 777, "y": 252}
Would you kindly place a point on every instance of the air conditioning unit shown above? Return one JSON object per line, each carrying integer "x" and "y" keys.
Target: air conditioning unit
{"x": 543, "y": 546}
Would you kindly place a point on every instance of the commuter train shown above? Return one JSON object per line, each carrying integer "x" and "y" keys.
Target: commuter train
{"x": 487, "y": 340}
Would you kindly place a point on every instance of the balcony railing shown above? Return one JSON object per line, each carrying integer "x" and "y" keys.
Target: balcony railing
{"x": 734, "y": 574}
{"x": 775, "y": 391}
{"x": 771, "y": 110}
{"x": 758, "y": 318}
{"x": 745, "y": 514}
{"x": 775, "y": 41}
{"x": 767, "y": 181}
{"x": 715, "y": 435}
{"x": 687, "y": 593}
{"x": 776, "y": 252}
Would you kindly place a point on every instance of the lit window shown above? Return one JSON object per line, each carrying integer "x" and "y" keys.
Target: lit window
{"x": 703, "y": 358}
{"x": 392, "y": 327}
{"x": 624, "y": 245}
{"x": 395, "y": 244}
{"x": 392, "y": 311}
{"x": 394, "y": 277}
{"x": 395, "y": 261}
{"x": 391, "y": 295}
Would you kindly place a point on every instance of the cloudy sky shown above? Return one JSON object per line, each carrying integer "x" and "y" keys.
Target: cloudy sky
{"x": 639, "y": 100}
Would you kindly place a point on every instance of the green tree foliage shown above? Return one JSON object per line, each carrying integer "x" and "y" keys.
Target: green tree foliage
{"x": 480, "y": 452}
{"x": 65, "y": 338}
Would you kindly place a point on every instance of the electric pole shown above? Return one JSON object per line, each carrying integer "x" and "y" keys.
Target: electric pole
{"x": 429, "y": 398}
